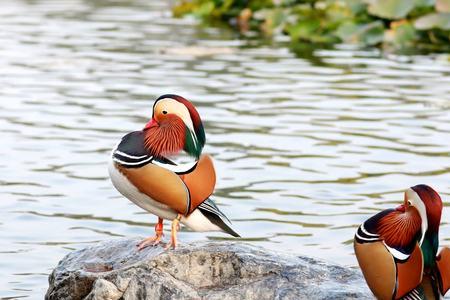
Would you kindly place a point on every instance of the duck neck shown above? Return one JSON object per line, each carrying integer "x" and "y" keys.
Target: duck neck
{"x": 429, "y": 248}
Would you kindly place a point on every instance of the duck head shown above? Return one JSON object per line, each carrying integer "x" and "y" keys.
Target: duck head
{"x": 414, "y": 220}
{"x": 429, "y": 206}
{"x": 175, "y": 126}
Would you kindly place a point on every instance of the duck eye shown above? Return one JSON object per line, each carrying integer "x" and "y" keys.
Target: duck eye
{"x": 164, "y": 112}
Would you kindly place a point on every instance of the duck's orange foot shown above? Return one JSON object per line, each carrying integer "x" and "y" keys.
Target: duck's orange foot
{"x": 150, "y": 241}
{"x": 173, "y": 236}
{"x": 154, "y": 240}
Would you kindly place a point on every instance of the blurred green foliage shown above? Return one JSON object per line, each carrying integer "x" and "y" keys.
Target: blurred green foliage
{"x": 393, "y": 24}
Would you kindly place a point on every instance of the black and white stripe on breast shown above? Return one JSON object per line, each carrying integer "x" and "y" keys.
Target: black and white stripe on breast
{"x": 131, "y": 161}
{"x": 176, "y": 167}
{"x": 364, "y": 236}
{"x": 368, "y": 232}
{"x": 131, "y": 152}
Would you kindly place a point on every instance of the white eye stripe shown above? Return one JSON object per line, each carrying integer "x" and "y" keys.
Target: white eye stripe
{"x": 175, "y": 107}
{"x": 415, "y": 200}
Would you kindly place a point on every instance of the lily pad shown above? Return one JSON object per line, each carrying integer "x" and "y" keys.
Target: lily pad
{"x": 205, "y": 9}
{"x": 425, "y": 3}
{"x": 356, "y": 6}
{"x": 391, "y": 9}
{"x": 367, "y": 34}
{"x": 443, "y": 6}
{"x": 304, "y": 29}
{"x": 401, "y": 34}
{"x": 433, "y": 20}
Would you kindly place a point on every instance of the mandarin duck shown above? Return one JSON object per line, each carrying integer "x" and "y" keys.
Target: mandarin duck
{"x": 162, "y": 170}
{"x": 396, "y": 249}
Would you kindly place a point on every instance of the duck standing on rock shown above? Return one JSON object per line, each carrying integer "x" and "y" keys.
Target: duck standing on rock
{"x": 162, "y": 170}
{"x": 397, "y": 249}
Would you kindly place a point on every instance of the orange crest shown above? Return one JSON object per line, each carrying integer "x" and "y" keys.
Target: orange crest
{"x": 399, "y": 229}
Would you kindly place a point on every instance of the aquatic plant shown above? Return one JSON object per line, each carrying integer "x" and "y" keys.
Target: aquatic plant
{"x": 392, "y": 24}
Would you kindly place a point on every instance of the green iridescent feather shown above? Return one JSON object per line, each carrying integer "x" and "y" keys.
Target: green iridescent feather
{"x": 429, "y": 248}
{"x": 193, "y": 144}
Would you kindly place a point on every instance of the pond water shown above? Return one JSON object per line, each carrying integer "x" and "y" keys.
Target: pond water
{"x": 306, "y": 148}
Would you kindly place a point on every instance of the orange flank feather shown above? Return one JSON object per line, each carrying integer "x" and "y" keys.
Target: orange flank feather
{"x": 378, "y": 267}
{"x": 200, "y": 182}
{"x": 166, "y": 137}
{"x": 409, "y": 273}
{"x": 148, "y": 179}
{"x": 443, "y": 266}
{"x": 398, "y": 229}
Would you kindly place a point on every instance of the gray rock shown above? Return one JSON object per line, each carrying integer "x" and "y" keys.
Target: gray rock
{"x": 207, "y": 270}
{"x": 104, "y": 290}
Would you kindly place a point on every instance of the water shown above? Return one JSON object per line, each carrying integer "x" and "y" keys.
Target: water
{"x": 305, "y": 148}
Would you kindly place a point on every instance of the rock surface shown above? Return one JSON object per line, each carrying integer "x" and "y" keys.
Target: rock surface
{"x": 114, "y": 269}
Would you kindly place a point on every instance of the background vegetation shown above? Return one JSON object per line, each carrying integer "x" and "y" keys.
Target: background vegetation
{"x": 392, "y": 24}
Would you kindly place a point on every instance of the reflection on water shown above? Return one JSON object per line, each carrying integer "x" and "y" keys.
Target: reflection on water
{"x": 305, "y": 148}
